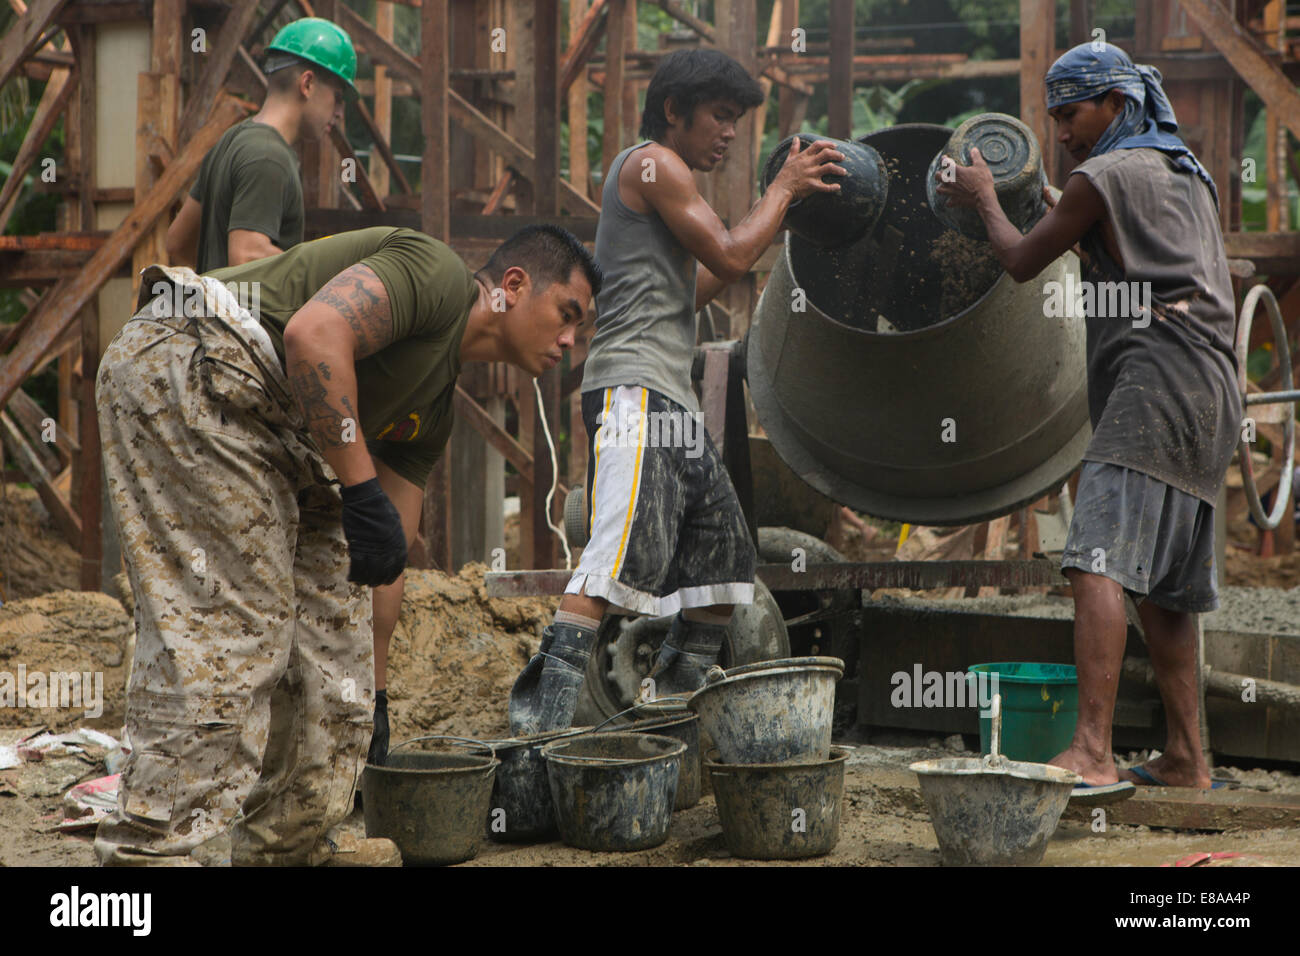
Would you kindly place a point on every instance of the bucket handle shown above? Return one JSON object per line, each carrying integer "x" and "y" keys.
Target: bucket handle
{"x": 633, "y": 709}
{"x": 459, "y": 741}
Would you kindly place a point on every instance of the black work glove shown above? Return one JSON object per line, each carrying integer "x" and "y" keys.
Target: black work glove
{"x": 379, "y": 738}
{"x": 373, "y": 528}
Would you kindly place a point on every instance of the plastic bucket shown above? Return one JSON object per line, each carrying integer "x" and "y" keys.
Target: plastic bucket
{"x": 614, "y": 791}
{"x": 431, "y": 803}
{"x": 1014, "y": 158}
{"x": 993, "y": 814}
{"x": 673, "y": 719}
{"x": 520, "y": 809}
{"x": 835, "y": 219}
{"x": 780, "y": 811}
{"x": 771, "y": 711}
{"x": 1040, "y": 704}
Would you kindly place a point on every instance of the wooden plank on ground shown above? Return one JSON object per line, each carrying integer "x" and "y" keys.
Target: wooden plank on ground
{"x": 59, "y": 308}
{"x": 1184, "y": 808}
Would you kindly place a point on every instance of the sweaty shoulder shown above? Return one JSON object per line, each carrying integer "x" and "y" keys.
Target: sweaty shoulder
{"x": 429, "y": 287}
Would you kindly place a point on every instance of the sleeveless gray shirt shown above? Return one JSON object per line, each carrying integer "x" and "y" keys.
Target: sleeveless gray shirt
{"x": 645, "y": 313}
{"x": 1162, "y": 390}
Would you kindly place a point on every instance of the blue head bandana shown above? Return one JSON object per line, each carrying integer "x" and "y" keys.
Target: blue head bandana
{"x": 1091, "y": 69}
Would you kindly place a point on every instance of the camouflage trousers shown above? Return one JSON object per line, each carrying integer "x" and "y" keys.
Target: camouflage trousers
{"x": 251, "y": 691}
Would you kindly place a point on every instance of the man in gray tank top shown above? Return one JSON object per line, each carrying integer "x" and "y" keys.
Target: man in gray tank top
{"x": 1162, "y": 392}
{"x": 667, "y": 532}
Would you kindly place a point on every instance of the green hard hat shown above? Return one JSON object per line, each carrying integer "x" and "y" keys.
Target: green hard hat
{"x": 320, "y": 42}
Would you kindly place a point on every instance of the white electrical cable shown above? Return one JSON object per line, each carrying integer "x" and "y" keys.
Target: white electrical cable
{"x": 555, "y": 478}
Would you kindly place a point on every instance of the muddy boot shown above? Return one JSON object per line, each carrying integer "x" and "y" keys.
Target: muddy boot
{"x": 685, "y": 656}
{"x": 545, "y": 694}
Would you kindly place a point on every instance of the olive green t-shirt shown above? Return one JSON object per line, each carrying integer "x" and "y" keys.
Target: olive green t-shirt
{"x": 249, "y": 180}
{"x": 405, "y": 391}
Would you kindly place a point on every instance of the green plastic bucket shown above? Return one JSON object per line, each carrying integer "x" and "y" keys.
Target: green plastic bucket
{"x": 1040, "y": 704}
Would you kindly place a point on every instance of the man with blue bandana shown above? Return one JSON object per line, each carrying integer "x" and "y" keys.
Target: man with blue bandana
{"x": 1162, "y": 392}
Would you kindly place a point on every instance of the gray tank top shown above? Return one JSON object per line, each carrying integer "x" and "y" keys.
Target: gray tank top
{"x": 645, "y": 313}
{"x": 1162, "y": 389}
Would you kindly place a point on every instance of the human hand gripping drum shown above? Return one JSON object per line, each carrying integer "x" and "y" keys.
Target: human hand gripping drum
{"x": 373, "y": 528}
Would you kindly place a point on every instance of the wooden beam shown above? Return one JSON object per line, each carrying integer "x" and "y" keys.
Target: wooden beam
{"x": 52, "y": 103}
{"x": 583, "y": 43}
{"x": 434, "y": 91}
{"x": 381, "y": 125}
{"x": 384, "y": 151}
{"x": 32, "y": 417}
{"x": 64, "y": 517}
{"x": 59, "y": 308}
{"x": 1261, "y": 74}
{"x": 90, "y": 466}
{"x": 839, "y": 95}
{"x": 370, "y": 198}
{"x": 1037, "y": 51}
{"x": 216, "y": 65}
{"x": 577, "y": 88}
{"x": 1183, "y": 808}
{"x": 496, "y": 436}
{"x": 616, "y": 26}
{"x": 26, "y": 34}
{"x": 675, "y": 11}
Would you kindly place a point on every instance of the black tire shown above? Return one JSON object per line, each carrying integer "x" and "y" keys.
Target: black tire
{"x": 757, "y": 633}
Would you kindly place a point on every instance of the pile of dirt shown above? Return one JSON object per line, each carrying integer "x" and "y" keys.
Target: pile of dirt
{"x": 456, "y": 652}
{"x": 34, "y": 557}
{"x": 65, "y": 632}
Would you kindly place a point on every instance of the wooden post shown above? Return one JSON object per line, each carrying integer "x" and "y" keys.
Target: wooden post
{"x": 612, "y": 143}
{"x": 383, "y": 100}
{"x": 435, "y": 172}
{"x": 1037, "y": 52}
{"x": 435, "y": 218}
{"x": 737, "y": 32}
{"x": 631, "y": 110}
{"x": 786, "y": 97}
{"x": 579, "y": 167}
{"x": 839, "y": 94}
{"x": 523, "y": 19}
{"x": 1275, "y": 137}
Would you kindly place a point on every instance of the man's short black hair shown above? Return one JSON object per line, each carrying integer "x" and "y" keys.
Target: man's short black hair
{"x": 691, "y": 77}
{"x": 283, "y": 78}
{"x": 547, "y": 253}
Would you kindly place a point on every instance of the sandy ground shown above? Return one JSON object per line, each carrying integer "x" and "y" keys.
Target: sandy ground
{"x": 884, "y": 823}
{"x": 454, "y": 656}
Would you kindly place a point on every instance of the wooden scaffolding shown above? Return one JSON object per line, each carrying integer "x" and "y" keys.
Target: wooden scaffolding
{"x": 145, "y": 87}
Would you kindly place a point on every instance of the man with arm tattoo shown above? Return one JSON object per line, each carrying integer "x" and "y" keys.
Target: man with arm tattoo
{"x": 266, "y": 456}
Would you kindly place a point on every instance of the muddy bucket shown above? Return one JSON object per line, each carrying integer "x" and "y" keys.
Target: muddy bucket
{"x": 780, "y": 811}
{"x": 520, "y": 809}
{"x": 672, "y": 718}
{"x": 1013, "y": 156}
{"x": 835, "y": 219}
{"x": 772, "y": 711}
{"x": 991, "y": 811}
{"x": 431, "y": 803}
{"x": 614, "y": 791}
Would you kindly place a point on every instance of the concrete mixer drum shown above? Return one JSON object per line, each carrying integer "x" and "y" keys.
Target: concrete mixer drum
{"x": 908, "y": 376}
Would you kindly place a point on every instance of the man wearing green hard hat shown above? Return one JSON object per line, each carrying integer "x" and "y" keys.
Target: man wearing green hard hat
{"x": 247, "y": 202}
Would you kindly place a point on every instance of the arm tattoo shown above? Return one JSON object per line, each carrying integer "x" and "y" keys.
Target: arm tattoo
{"x": 359, "y": 296}
{"x": 323, "y": 420}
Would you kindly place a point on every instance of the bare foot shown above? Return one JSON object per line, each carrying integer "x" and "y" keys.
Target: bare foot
{"x": 1093, "y": 771}
{"x": 1172, "y": 772}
